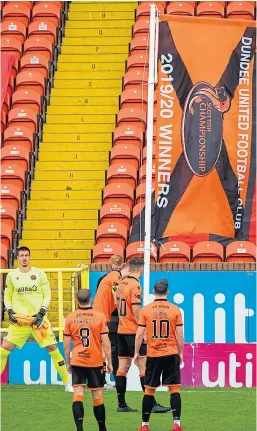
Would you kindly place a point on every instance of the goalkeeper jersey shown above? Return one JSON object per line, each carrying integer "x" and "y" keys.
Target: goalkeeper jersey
{"x": 27, "y": 292}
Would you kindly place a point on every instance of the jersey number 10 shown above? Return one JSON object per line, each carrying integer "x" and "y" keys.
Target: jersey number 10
{"x": 161, "y": 328}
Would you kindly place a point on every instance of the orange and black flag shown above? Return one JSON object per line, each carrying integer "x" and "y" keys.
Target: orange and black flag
{"x": 205, "y": 132}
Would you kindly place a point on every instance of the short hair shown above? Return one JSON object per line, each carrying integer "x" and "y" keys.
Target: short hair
{"x": 136, "y": 264}
{"x": 161, "y": 287}
{"x": 23, "y": 249}
{"x": 83, "y": 296}
{"x": 116, "y": 259}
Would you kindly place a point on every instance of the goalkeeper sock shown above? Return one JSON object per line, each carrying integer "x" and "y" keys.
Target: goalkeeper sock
{"x": 99, "y": 412}
{"x": 147, "y": 406}
{"x": 60, "y": 366}
{"x": 78, "y": 411}
{"x": 4, "y": 355}
{"x": 121, "y": 386}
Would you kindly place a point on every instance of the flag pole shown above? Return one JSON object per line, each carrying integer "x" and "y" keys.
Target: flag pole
{"x": 149, "y": 156}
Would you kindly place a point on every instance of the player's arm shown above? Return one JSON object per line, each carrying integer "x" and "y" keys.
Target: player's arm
{"x": 66, "y": 346}
{"x": 67, "y": 340}
{"x": 180, "y": 335}
{"x": 107, "y": 350}
{"x": 136, "y": 298}
{"x": 8, "y": 293}
{"x": 139, "y": 335}
{"x": 45, "y": 287}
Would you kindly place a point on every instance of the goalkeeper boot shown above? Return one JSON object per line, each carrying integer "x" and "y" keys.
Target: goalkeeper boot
{"x": 144, "y": 428}
{"x": 68, "y": 388}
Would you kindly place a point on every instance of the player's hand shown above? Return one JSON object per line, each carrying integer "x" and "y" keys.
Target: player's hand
{"x": 12, "y": 318}
{"x": 109, "y": 369}
{"x": 69, "y": 369}
{"x": 39, "y": 317}
{"x": 136, "y": 359}
{"x": 181, "y": 358}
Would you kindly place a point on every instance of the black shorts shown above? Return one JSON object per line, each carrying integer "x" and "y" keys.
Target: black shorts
{"x": 163, "y": 370}
{"x": 126, "y": 346}
{"x": 93, "y": 378}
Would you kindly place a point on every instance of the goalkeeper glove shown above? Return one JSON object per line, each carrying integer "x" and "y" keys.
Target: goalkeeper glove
{"x": 39, "y": 317}
{"x": 12, "y": 318}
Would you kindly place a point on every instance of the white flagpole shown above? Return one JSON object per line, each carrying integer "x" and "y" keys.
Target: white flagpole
{"x": 149, "y": 156}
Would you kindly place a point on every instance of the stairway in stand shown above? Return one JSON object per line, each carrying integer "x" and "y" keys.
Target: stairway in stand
{"x": 70, "y": 174}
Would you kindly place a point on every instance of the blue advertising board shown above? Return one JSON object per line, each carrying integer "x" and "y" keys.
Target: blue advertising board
{"x": 218, "y": 306}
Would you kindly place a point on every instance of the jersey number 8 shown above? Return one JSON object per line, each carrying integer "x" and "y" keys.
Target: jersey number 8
{"x": 84, "y": 336}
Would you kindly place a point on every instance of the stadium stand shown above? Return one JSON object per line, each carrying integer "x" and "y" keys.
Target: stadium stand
{"x": 92, "y": 150}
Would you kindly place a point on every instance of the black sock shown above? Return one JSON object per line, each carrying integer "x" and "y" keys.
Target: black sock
{"x": 142, "y": 381}
{"x": 78, "y": 413}
{"x": 121, "y": 385}
{"x": 147, "y": 406}
{"x": 99, "y": 412}
{"x": 175, "y": 403}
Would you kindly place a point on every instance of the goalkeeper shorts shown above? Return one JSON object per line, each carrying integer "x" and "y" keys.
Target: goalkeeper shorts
{"x": 18, "y": 335}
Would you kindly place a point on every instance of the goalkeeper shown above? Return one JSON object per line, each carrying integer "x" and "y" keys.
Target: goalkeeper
{"x": 28, "y": 293}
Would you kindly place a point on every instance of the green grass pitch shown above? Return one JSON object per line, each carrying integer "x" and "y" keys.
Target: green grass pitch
{"x": 48, "y": 408}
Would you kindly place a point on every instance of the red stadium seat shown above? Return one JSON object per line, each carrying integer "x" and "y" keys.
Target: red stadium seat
{"x": 180, "y": 8}
{"x": 11, "y": 195}
{"x": 136, "y": 249}
{"x": 38, "y": 45}
{"x": 143, "y": 9}
{"x": 118, "y": 192}
{"x": 223, "y": 3}
{"x": 141, "y": 191}
{"x": 27, "y": 98}
{"x": 15, "y": 152}
{"x": 35, "y": 63}
{"x": 120, "y": 213}
{"x": 137, "y": 61}
{"x": 129, "y": 135}
{"x": 11, "y": 45}
{"x": 8, "y": 213}
{"x": 103, "y": 251}
{"x": 3, "y": 120}
{"x": 46, "y": 11}
{"x": 241, "y": 251}
{"x": 33, "y": 80}
{"x": 29, "y": 4}
{"x": 240, "y": 10}
{"x": 18, "y": 11}
{"x": 138, "y": 208}
{"x": 6, "y": 234}
{"x": 21, "y": 136}
{"x": 208, "y": 251}
{"x": 135, "y": 77}
{"x": 211, "y": 9}
{"x": 23, "y": 116}
{"x": 12, "y": 174}
{"x": 46, "y": 29}
{"x": 141, "y": 27}
{"x": 139, "y": 44}
{"x": 15, "y": 29}
{"x": 142, "y": 173}
{"x": 132, "y": 115}
{"x": 174, "y": 252}
{"x": 115, "y": 232}
{"x": 59, "y": 4}
{"x": 4, "y": 255}
{"x": 122, "y": 173}
{"x": 134, "y": 97}
{"x": 145, "y": 152}
{"x": 126, "y": 153}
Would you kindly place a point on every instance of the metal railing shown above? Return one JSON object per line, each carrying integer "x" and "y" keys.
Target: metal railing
{"x": 81, "y": 274}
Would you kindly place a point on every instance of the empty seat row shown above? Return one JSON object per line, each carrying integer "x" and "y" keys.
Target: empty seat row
{"x": 180, "y": 252}
{"x": 215, "y": 9}
{"x": 24, "y": 13}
